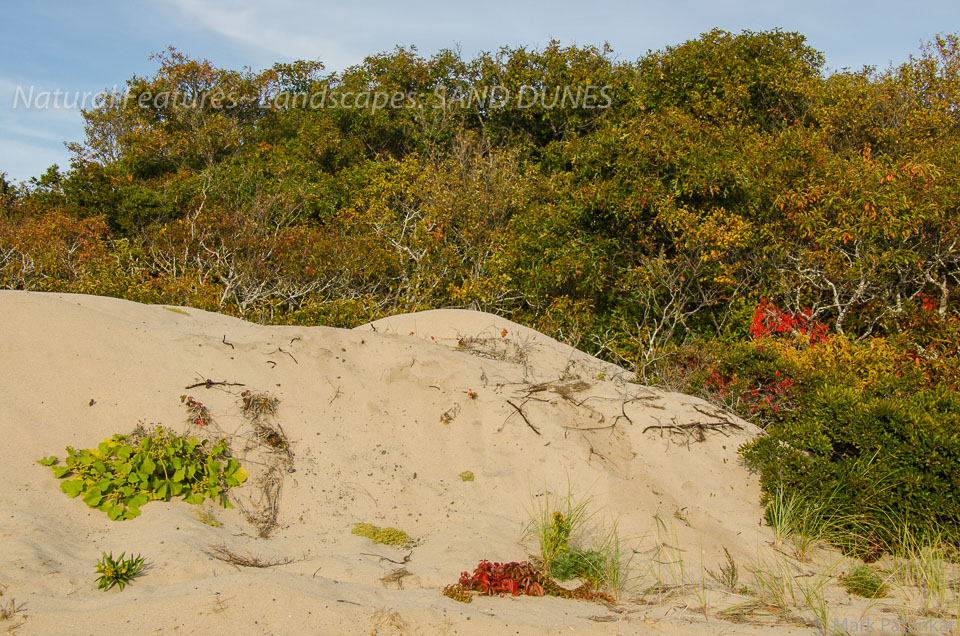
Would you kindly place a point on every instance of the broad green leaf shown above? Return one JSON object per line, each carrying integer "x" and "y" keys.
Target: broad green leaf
{"x": 240, "y": 475}
{"x": 193, "y": 498}
{"x": 92, "y": 497}
{"x": 148, "y": 466}
{"x": 138, "y": 500}
{"x": 72, "y": 487}
{"x": 61, "y": 471}
{"x": 48, "y": 461}
{"x": 179, "y": 475}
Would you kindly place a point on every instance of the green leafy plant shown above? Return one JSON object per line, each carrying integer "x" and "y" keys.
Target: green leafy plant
{"x": 119, "y": 476}
{"x": 119, "y": 571}
{"x": 387, "y": 536}
{"x": 466, "y": 475}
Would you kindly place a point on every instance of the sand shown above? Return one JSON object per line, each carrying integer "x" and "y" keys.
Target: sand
{"x": 381, "y": 421}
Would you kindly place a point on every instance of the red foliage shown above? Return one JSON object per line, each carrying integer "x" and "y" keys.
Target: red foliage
{"x": 498, "y": 579}
{"x": 929, "y": 303}
{"x": 769, "y": 320}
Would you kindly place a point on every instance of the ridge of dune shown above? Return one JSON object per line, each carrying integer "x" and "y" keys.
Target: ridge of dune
{"x": 381, "y": 420}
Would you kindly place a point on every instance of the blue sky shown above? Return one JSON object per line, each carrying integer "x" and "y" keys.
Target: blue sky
{"x": 92, "y": 45}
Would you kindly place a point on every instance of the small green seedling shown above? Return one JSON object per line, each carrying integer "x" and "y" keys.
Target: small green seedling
{"x": 119, "y": 571}
{"x": 466, "y": 475}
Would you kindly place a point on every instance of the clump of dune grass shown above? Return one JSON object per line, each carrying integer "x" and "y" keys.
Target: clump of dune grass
{"x": 803, "y": 522}
{"x": 8, "y": 611}
{"x": 575, "y": 544}
{"x": 774, "y": 583}
{"x": 923, "y": 563}
{"x": 554, "y": 522}
{"x": 728, "y": 575}
{"x": 864, "y": 581}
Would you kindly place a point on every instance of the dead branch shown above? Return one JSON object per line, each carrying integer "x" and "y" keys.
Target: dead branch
{"x": 524, "y": 416}
{"x": 207, "y": 384}
{"x": 225, "y": 554}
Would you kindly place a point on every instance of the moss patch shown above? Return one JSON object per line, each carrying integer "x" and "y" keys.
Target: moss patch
{"x": 386, "y": 536}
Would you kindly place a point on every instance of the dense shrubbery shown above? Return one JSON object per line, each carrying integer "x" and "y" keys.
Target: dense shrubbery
{"x": 739, "y": 222}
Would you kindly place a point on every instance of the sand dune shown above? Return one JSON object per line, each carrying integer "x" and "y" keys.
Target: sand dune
{"x": 381, "y": 421}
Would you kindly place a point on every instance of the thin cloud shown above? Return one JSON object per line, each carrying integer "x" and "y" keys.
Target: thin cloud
{"x": 277, "y": 29}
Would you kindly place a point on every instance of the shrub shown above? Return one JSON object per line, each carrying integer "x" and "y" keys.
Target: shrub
{"x": 875, "y": 460}
{"x": 123, "y": 474}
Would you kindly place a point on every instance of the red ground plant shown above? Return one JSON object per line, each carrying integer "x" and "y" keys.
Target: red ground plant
{"x": 515, "y": 579}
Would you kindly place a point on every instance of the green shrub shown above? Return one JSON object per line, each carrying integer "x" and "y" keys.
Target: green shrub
{"x": 119, "y": 477}
{"x": 878, "y": 462}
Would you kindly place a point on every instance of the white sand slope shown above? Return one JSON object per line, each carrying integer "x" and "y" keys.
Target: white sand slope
{"x": 364, "y": 411}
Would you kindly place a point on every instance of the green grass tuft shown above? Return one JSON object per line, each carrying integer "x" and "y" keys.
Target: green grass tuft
{"x": 865, "y": 582}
